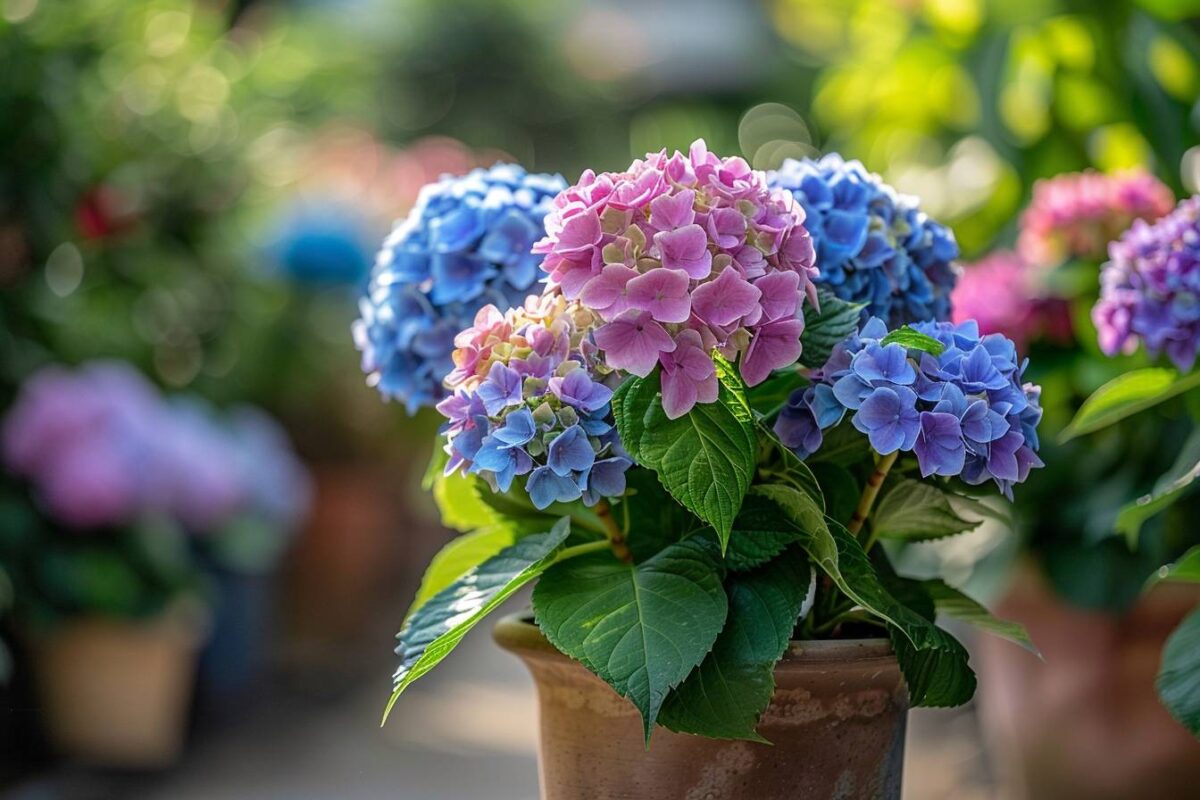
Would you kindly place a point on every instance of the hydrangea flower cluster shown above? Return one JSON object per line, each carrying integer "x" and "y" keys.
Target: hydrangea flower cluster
{"x": 102, "y": 449}
{"x": 964, "y": 413}
{"x": 678, "y": 256}
{"x": 465, "y": 244}
{"x": 874, "y": 245}
{"x": 530, "y": 399}
{"x": 1077, "y": 214}
{"x": 1003, "y": 294}
{"x": 1150, "y": 288}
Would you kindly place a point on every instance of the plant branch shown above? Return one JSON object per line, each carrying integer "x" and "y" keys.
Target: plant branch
{"x": 871, "y": 491}
{"x": 616, "y": 536}
{"x": 580, "y": 549}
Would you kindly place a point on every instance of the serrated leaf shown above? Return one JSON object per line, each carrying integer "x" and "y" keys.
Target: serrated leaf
{"x": 436, "y": 628}
{"x": 825, "y": 328}
{"x": 705, "y": 458}
{"x": 758, "y": 535}
{"x": 839, "y": 488}
{"x": 459, "y": 501}
{"x": 641, "y": 628}
{"x": 1179, "y": 678}
{"x": 934, "y": 662}
{"x": 1167, "y": 490}
{"x": 953, "y": 603}
{"x": 657, "y": 520}
{"x": 460, "y": 555}
{"x": 725, "y": 696}
{"x": 912, "y": 339}
{"x": 1126, "y": 395}
{"x": 777, "y": 464}
{"x": 915, "y": 511}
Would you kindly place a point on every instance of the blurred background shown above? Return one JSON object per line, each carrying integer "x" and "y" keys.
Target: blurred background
{"x": 191, "y": 196}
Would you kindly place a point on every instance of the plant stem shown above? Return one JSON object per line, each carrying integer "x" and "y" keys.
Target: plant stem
{"x": 580, "y": 549}
{"x": 616, "y": 536}
{"x": 871, "y": 491}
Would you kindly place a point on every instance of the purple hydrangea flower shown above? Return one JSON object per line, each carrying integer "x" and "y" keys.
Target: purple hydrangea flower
{"x": 529, "y": 400}
{"x": 874, "y": 246}
{"x": 1150, "y": 288}
{"x": 465, "y": 244}
{"x": 964, "y": 413}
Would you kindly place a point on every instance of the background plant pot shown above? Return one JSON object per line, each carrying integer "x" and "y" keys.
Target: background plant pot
{"x": 1086, "y": 722}
{"x": 234, "y": 659}
{"x": 837, "y": 725}
{"x": 115, "y": 693}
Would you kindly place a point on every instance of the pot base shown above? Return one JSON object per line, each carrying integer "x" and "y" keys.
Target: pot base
{"x": 836, "y": 724}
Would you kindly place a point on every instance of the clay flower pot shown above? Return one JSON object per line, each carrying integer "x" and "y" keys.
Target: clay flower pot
{"x": 115, "y": 693}
{"x": 1086, "y": 722}
{"x": 837, "y": 725}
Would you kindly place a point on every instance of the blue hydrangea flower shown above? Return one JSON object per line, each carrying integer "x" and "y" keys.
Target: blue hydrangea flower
{"x": 465, "y": 244}
{"x": 540, "y": 410}
{"x": 323, "y": 243}
{"x": 964, "y": 413}
{"x": 874, "y": 246}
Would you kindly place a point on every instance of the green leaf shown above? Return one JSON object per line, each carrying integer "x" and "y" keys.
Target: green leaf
{"x": 1169, "y": 488}
{"x": 917, "y": 512}
{"x": 934, "y": 662}
{"x": 843, "y": 445}
{"x": 725, "y": 696}
{"x": 768, "y": 397}
{"x": 912, "y": 339}
{"x": 758, "y": 535}
{"x": 641, "y": 628}
{"x": 1179, "y": 678}
{"x": 460, "y": 555}
{"x": 1185, "y": 569}
{"x": 439, "y": 625}
{"x": 840, "y": 489}
{"x": 1126, "y": 395}
{"x": 824, "y": 329}
{"x": 706, "y": 458}
{"x": 460, "y": 502}
{"x": 953, "y": 603}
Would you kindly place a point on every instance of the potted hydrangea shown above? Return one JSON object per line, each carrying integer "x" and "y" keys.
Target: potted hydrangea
{"x": 123, "y": 516}
{"x": 1078, "y": 585}
{"x": 696, "y": 454}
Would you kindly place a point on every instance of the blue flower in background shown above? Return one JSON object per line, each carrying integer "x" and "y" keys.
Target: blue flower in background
{"x": 323, "y": 243}
{"x": 874, "y": 246}
{"x": 465, "y": 244}
{"x": 964, "y": 413}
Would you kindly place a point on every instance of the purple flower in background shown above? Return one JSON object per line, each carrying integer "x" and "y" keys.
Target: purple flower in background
{"x": 1150, "y": 288}
{"x": 874, "y": 246}
{"x": 102, "y": 449}
{"x": 465, "y": 245}
{"x": 963, "y": 413}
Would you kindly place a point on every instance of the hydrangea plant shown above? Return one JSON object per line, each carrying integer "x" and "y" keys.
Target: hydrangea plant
{"x": 571, "y": 457}
{"x": 875, "y": 247}
{"x": 1148, "y": 298}
{"x": 113, "y": 490}
{"x": 465, "y": 244}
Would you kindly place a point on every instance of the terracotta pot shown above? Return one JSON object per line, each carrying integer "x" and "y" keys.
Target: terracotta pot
{"x": 114, "y": 693}
{"x": 1086, "y": 722}
{"x": 837, "y": 726}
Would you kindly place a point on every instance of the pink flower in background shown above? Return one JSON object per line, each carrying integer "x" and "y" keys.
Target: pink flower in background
{"x": 678, "y": 256}
{"x": 1076, "y": 215}
{"x": 1004, "y": 294}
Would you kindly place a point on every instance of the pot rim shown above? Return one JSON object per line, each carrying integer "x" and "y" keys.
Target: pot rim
{"x": 519, "y": 634}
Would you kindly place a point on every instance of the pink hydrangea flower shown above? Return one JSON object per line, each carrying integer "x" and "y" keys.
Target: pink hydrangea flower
{"x": 1077, "y": 214}
{"x": 1004, "y": 294}
{"x": 678, "y": 256}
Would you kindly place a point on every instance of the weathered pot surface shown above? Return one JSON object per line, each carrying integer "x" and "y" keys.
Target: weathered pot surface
{"x": 836, "y": 724}
{"x": 1086, "y": 721}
